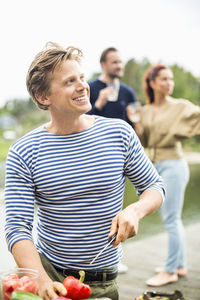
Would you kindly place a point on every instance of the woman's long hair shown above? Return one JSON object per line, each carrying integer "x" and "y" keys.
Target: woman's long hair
{"x": 151, "y": 74}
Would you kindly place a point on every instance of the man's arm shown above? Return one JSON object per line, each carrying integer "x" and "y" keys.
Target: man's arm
{"x": 103, "y": 97}
{"x": 149, "y": 185}
{"x": 126, "y": 222}
{"x": 19, "y": 201}
{"x": 26, "y": 256}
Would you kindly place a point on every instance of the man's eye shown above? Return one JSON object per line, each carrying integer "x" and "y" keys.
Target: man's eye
{"x": 69, "y": 81}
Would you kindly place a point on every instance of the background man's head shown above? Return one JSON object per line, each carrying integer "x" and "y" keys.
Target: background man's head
{"x": 111, "y": 63}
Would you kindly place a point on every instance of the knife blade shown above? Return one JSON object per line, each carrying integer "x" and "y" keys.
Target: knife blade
{"x": 110, "y": 241}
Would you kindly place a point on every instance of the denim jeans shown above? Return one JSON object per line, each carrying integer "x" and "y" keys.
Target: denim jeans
{"x": 175, "y": 174}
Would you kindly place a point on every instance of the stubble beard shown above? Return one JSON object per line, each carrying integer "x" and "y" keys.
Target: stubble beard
{"x": 115, "y": 76}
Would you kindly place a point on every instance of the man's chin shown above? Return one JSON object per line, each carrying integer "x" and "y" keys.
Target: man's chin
{"x": 89, "y": 108}
{"x": 115, "y": 76}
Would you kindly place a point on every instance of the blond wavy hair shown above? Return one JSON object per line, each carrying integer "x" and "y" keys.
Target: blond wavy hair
{"x": 40, "y": 72}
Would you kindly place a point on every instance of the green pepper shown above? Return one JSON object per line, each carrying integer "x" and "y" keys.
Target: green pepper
{"x": 20, "y": 295}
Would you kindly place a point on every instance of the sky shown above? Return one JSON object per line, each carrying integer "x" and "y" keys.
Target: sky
{"x": 166, "y": 31}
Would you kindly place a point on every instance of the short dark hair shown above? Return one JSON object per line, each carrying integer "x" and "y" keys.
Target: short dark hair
{"x": 105, "y": 53}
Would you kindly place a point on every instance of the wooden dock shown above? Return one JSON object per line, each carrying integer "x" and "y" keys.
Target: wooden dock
{"x": 144, "y": 255}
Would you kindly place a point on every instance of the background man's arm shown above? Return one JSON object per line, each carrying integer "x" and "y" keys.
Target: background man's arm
{"x": 103, "y": 97}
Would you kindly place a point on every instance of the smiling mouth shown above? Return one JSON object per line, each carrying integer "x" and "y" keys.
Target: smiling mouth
{"x": 79, "y": 99}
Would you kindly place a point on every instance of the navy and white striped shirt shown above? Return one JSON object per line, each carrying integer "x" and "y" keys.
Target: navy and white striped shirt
{"x": 77, "y": 182}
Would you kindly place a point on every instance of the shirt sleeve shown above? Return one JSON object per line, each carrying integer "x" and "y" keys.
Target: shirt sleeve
{"x": 140, "y": 170}
{"x": 19, "y": 200}
{"x": 187, "y": 123}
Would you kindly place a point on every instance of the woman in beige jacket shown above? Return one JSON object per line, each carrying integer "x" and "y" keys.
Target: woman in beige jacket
{"x": 164, "y": 122}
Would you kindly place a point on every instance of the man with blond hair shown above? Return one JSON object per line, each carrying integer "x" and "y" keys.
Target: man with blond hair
{"x": 73, "y": 169}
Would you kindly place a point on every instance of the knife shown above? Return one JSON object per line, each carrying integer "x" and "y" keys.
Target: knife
{"x": 110, "y": 241}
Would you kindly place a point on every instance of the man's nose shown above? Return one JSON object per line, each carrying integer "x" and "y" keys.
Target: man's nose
{"x": 81, "y": 85}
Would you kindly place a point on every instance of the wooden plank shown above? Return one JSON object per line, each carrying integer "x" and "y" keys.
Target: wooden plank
{"x": 143, "y": 256}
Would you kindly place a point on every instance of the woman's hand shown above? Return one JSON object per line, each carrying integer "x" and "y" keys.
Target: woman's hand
{"x": 133, "y": 114}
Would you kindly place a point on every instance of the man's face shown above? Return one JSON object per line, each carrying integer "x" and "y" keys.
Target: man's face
{"x": 113, "y": 66}
{"x": 69, "y": 91}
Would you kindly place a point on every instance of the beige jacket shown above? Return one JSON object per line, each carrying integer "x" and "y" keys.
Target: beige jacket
{"x": 176, "y": 120}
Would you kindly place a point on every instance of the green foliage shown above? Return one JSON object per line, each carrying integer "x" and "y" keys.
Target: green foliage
{"x": 34, "y": 119}
{"x": 186, "y": 85}
{"x": 19, "y": 107}
{"x": 4, "y": 146}
{"x": 27, "y": 114}
{"x": 192, "y": 144}
{"x": 134, "y": 74}
{"x": 94, "y": 76}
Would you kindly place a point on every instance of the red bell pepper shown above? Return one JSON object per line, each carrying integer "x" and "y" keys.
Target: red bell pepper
{"x": 76, "y": 289}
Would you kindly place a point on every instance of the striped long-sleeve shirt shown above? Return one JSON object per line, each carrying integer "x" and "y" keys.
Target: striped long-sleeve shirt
{"x": 77, "y": 182}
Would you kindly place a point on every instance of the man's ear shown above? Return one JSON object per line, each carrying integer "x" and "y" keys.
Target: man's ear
{"x": 43, "y": 99}
{"x": 102, "y": 65}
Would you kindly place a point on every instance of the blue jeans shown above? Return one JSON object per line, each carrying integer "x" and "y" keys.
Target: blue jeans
{"x": 175, "y": 174}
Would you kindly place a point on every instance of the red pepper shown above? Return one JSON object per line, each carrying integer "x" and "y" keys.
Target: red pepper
{"x": 76, "y": 289}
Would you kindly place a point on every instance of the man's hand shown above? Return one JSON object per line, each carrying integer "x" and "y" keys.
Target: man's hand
{"x": 26, "y": 256}
{"x": 103, "y": 97}
{"x": 125, "y": 224}
{"x": 50, "y": 290}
